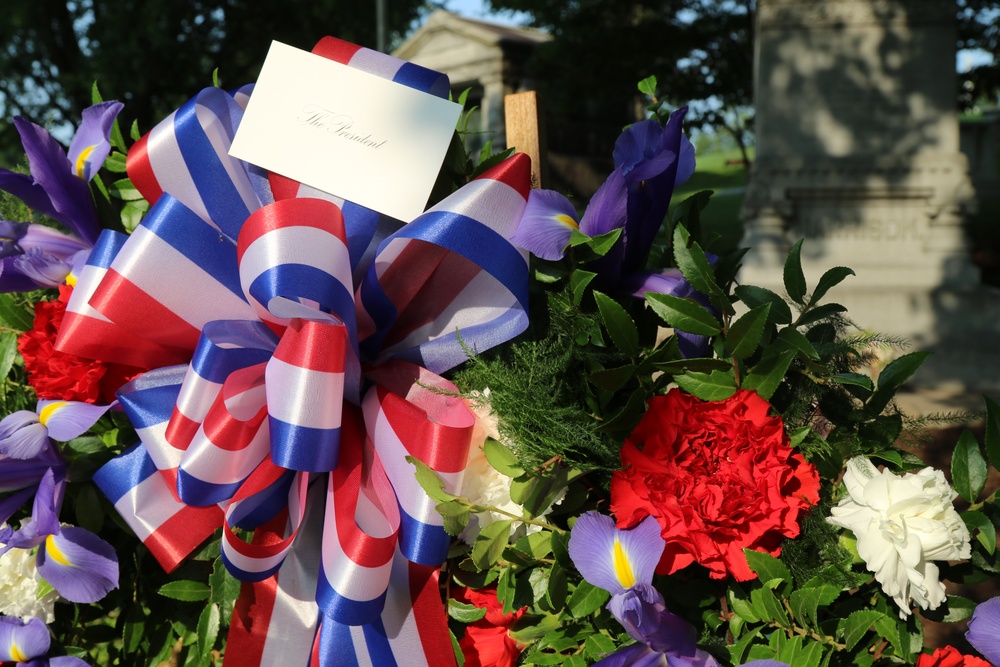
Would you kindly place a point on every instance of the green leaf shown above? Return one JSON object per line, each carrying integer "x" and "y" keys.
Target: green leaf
{"x": 43, "y": 589}
{"x": 831, "y": 278}
{"x": 8, "y": 352}
{"x": 598, "y": 646}
{"x": 968, "y": 467}
{"x": 766, "y": 606}
{"x": 558, "y": 587}
{"x": 578, "y": 282}
{"x": 133, "y": 630}
{"x": 464, "y": 613}
{"x": 805, "y": 602}
{"x": 767, "y": 374}
{"x": 14, "y": 315}
{"x": 899, "y": 370}
{"x": 429, "y": 481}
{"x": 132, "y": 214}
{"x": 225, "y": 589}
{"x": 855, "y": 626}
{"x": 855, "y": 379}
{"x": 745, "y": 333}
{"x": 714, "y": 386}
{"x": 490, "y": 543}
{"x": 684, "y": 314}
{"x": 620, "y": 326}
{"x": 699, "y": 365}
{"x": 955, "y": 609}
{"x": 742, "y": 607}
{"x": 817, "y": 313}
{"x": 586, "y": 599}
{"x": 796, "y": 340}
{"x": 697, "y": 270}
{"x": 980, "y": 525}
{"x": 794, "y": 278}
{"x": 612, "y": 379}
{"x": 134, "y": 131}
{"x": 992, "y": 437}
{"x": 124, "y": 190}
{"x": 537, "y": 545}
{"x": 688, "y": 212}
{"x": 455, "y": 515}
{"x": 599, "y": 245}
{"x": 767, "y": 567}
{"x": 738, "y": 649}
{"x": 187, "y": 591}
{"x": 648, "y": 86}
{"x": 116, "y": 163}
{"x": 208, "y": 629}
{"x": 501, "y": 458}
{"x": 754, "y": 296}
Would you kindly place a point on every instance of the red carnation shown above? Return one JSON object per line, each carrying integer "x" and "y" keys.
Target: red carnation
{"x": 949, "y": 656}
{"x": 61, "y": 376}
{"x": 487, "y": 642}
{"x": 718, "y": 476}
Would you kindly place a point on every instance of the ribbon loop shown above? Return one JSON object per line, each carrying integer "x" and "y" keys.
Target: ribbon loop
{"x": 305, "y": 395}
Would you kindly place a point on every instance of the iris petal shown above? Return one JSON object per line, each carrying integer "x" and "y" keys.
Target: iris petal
{"x": 66, "y": 420}
{"x": 91, "y": 144}
{"x": 78, "y": 564}
{"x": 69, "y": 197}
{"x": 608, "y": 207}
{"x": 21, "y": 641}
{"x": 604, "y": 554}
{"x": 67, "y": 661}
{"x": 22, "y": 436}
{"x": 548, "y": 220}
{"x": 634, "y": 656}
{"x": 984, "y": 630}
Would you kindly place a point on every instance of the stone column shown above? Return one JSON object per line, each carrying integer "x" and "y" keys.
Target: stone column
{"x": 858, "y": 152}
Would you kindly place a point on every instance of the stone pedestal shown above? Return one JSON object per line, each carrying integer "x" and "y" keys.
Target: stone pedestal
{"x": 858, "y": 152}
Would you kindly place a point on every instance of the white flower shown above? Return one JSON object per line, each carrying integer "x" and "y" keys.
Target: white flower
{"x": 19, "y": 581}
{"x": 902, "y": 523}
{"x": 483, "y": 484}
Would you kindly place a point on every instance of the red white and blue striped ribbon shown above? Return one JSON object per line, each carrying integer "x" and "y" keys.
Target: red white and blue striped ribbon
{"x": 279, "y": 307}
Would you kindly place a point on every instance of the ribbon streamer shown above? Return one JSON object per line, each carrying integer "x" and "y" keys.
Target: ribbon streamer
{"x": 297, "y": 342}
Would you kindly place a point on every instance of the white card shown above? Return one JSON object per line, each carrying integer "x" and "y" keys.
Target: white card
{"x": 355, "y": 135}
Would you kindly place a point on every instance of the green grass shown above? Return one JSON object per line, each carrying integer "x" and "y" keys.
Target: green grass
{"x": 721, "y": 218}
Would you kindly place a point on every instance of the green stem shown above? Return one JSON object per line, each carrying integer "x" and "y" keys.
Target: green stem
{"x": 534, "y": 522}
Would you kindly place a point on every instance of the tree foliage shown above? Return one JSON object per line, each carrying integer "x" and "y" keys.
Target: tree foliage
{"x": 154, "y": 54}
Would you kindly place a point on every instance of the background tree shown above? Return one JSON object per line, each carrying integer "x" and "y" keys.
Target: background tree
{"x": 154, "y": 54}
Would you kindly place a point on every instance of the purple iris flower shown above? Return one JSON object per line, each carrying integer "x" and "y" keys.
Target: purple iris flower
{"x": 57, "y": 187}
{"x": 78, "y": 564}
{"x": 984, "y": 630}
{"x": 27, "y": 642}
{"x": 623, "y": 562}
{"x": 24, "y": 434}
{"x": 650, "y": 161}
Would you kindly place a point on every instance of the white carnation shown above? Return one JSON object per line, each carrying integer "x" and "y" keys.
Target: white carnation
{"x": 483, "y": 484}
{"x": 19, "y": 581}
{"x": 902, "y": 523}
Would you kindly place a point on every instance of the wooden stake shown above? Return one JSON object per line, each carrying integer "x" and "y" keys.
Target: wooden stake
{"x": 526, "y": 132}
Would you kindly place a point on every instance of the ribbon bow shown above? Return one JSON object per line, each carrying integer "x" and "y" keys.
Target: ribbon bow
{"x": 296, "y": 342}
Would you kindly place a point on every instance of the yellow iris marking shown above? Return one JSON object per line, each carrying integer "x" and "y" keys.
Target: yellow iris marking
{"x": 566, "y": 220}
{"x": 622, "y": 568}
{"x": 71, "y": 279}
{"x": 81, "y": 161}
{"x": 48, "y": 410}
{"x": 53, "y": 552}
{"x": 16, "y": 655}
